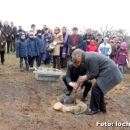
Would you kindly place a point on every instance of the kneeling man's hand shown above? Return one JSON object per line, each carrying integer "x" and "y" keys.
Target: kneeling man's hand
{"x": 74, "y": 85}
{"x": 83, "y": 78}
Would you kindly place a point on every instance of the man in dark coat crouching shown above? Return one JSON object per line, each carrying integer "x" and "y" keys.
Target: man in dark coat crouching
{"x": 105, "y": 72}
{"x": 75, "y": 70}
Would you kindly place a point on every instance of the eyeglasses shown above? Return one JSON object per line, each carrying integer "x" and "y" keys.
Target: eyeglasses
{"x": 76, "y": 62}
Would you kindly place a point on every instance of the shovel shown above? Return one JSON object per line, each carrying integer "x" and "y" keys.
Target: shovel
{"x": 79, "y": 84}
{"x": 76, "y": 92}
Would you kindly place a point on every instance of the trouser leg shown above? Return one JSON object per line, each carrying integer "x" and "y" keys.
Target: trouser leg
{"x": 8, "y": 47}
{"x": 37, "y": 60}
{"x": 26, "y": 63}
{"x": 11, "y": 46}
{"x": 2, "y": 56}
{"x": 58, "y": 62}
{"x": 88, "y": 85}
{"x": 14, "y": 41}
{"x": 54, "y": 61}
{"x": 21, "y": 62}
{"x": 68, "y": 86}
{"x": 31, "y": 61}
{"x": 97, "y": 98}
{"x": 61, "y": 59}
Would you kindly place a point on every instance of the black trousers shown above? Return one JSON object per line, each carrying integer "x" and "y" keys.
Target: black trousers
{"x": 12, "y": 46}
{"x": 87, "y": 84}
{"x": 8, "y": 46}
{"x": 97, "y": 99}
{"x": 26, "y": 62}
{"x": 31, "y": 61}
{"x": 56, "y": 62}
{"x": 2, "y": 53}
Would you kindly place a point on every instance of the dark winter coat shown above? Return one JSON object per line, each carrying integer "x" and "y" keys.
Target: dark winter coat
{"x": 7, "y": 30}
{"x": 121, "y": 57}
{"x": 21, "y": 48}
{"x": 41, "y": 45}
{"x": 103, "y": 69}
{"x": 73, "y": 73}
{"x": 32, "y": 45}
{"x": 3, "y": 40}
{"x": 18, "y": 32}
{"x": 88, "y": 37}
{"x": 78, "y": 44}
{"x": 14, "y": 31}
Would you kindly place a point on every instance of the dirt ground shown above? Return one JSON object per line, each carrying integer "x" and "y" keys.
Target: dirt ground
{"x": 27, "y": 104}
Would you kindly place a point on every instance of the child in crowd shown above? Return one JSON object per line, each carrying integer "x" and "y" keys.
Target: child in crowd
{"x": 41, "y": 47}
{"x": 105, "y": 48}
{"x": 33, "y": 49}
{"x": 122, "y": 57}
{"x": 21, "y": 51}
{"x": 2, "y": 47}
{"x": 92, "y": 46}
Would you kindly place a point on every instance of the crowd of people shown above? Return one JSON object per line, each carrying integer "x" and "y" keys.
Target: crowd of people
{"x": 32, "y": 45}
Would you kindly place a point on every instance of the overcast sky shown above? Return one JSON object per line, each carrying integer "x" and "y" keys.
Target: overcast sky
{"x": 91, "y": 13}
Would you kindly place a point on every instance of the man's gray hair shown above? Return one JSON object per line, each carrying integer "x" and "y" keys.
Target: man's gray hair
{"x": 76, "y": 53}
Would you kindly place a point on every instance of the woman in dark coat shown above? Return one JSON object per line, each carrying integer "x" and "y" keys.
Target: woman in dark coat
{"x": 2, "y": 47}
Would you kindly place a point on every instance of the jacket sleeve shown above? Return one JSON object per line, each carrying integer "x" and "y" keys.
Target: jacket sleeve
{"x": 84, "y": 37}
{"x": 17, "y": 49}
{"x": 37, "y": 47}
{"x": 68, "y": 74}
{"x": 80, "y": 42}
{"x": 66, "y": 45}
{"x": 127, "y": 56}
{"x": 10, "y": 31}
{"x": 110, "y": 50}
{"x": 93, "y": 68}
{"x": 99, "y": 49}
{"x": 69, "y": 42}
{"x": 117, "y": 57}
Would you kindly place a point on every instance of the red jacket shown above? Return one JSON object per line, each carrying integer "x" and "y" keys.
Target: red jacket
{"x": 91, "y": 47}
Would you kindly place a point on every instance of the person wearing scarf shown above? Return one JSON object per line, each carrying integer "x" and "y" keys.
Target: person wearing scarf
{"x": 47, "y": 39}
{"x": 64, "y": 49}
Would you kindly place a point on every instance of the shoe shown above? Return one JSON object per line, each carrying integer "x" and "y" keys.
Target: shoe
{"x": 84, "y": 99}
{"x": 21, "y": 70}
{"x": 68, "y": 93}
{"x": 92, "y": 112}
{"x": 103, "y": 110}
